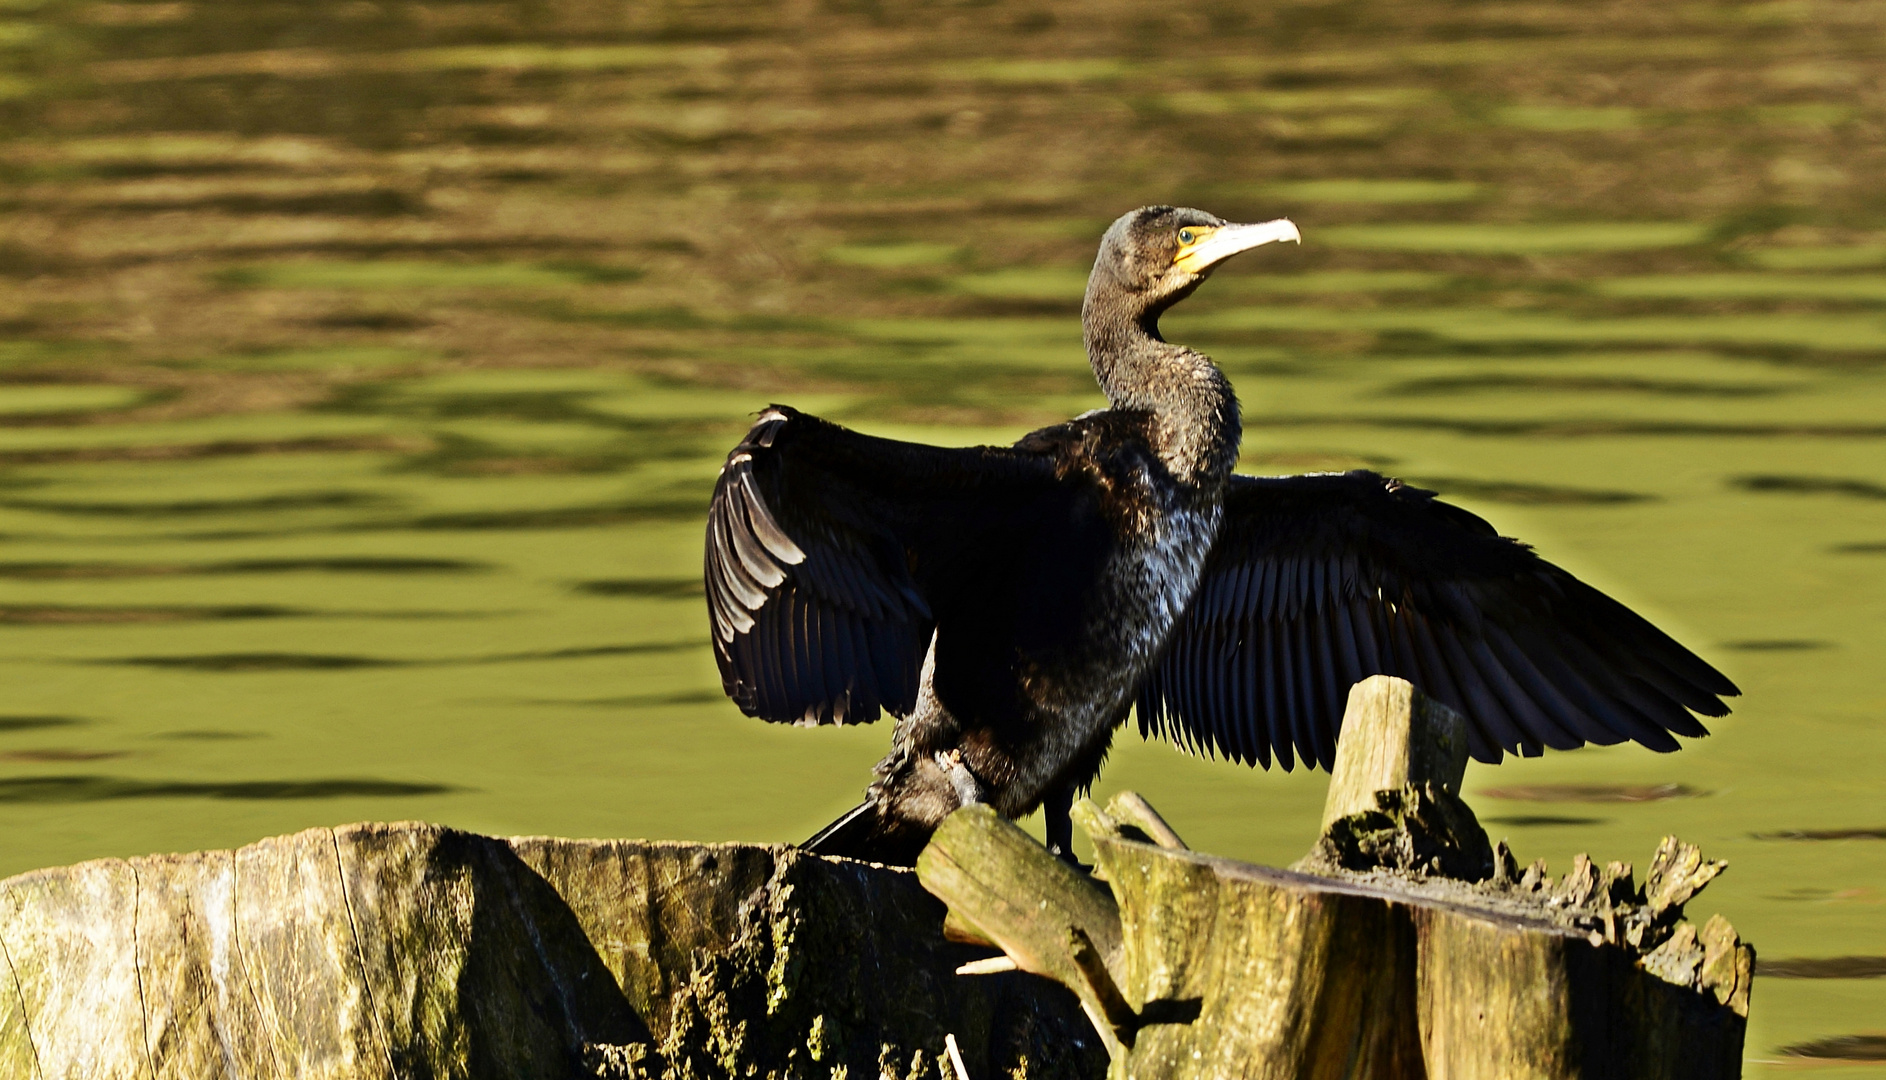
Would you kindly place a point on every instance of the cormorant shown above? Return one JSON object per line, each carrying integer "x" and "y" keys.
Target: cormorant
{"x": 1010, "y": 605}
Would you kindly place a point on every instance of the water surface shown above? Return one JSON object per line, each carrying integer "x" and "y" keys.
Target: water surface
{"x": 366, "y": 368}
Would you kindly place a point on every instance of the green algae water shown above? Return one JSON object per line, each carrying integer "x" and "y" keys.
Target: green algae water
{"x": 365, "y": 368}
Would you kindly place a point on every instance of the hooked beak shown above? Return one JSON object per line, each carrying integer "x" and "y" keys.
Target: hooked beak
{"x": 1219, "y": 244}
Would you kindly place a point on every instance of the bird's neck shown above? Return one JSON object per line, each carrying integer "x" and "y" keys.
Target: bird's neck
{"x": 1194, "y": 410}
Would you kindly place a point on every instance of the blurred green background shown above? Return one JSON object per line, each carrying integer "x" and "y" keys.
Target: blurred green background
{"x": 365, "y": 367}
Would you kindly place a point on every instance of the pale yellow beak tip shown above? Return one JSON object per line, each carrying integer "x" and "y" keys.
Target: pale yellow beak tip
{"x": 1228, "y": 240}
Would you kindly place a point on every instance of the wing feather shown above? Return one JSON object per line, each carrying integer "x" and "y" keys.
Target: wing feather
{"x": 1302, "y": 708}
{"x": 1276, "y": 694}
{"x": 1252, "y": 725}
{"x": 1317, "y": 581}
{"x": 816, "y": 612}
{"x": 1237, "y": 699}
{"x": 1188, "y": 681}
{"x": 1471, "y": 685}
{"x": 1317, "y": 628}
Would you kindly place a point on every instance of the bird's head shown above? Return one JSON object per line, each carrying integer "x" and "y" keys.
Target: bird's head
{"x": 1155, "y": 256}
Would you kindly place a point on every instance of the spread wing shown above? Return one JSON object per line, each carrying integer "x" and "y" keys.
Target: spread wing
{"x": 827, "y": 551}
{"x": 1316, "y": 582}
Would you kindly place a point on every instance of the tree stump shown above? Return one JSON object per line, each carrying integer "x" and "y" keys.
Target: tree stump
{"x": 392, "y": 951}
{"x": 1403, "y": 946}
{"x": 1392, "y": 736}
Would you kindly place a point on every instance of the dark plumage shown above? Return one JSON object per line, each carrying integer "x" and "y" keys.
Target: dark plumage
{"x": 1011, "y": 604}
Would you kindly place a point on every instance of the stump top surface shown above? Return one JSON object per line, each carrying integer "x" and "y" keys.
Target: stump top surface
{"x": 1486, "y": 902}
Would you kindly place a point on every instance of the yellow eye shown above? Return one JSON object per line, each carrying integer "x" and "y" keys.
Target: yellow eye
{"x": 1187, "y": 236}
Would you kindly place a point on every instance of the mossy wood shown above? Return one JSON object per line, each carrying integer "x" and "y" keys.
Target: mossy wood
{"x": 383, "y": 951}
{"x": 1403, "y": 946}
{"x": 1047, "y": 916}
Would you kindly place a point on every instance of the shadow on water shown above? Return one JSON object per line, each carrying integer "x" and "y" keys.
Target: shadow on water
{"x": 562, "y": 517}
{"x": 54, "y": 754}
{"x": 221, "y": 448}
{"x": 1829, "y": 967}
{"x": 1823, "y": 834}
{"x": 197, "y": 507}
{"x": 1811, "y": 485}
{"x": 283, "y": 661}
{"x": 37, "y": 723}
{"x": 88, "y": 789}
{"x": 368, "y": 320}
{"x": 1878, "y": 548}
{"x": 1527, "y": 494}
{"x": 384, "y": 202}
{"x": 634, "y": 701}
{"x": 647, "y": 588}
{"x": 1573, "y": 429}
{"x": 457, "y": 456}
{"x": 255, "y": 662}
{"x": 208, "y": 735}
{"x": 1595, "y": 793}
{"x": 366, "y": 248}
{"x": 1840, "y": 1048}
{"x": 73, "y": 615}
{"x": 1525, "y": 820}
{"x": 58, "y": 614}
{"x": 528, "y": 406}
{"x": 583, "y": 652}
{"x": 30, "y": 571}
{"x": 1577, "y": 384}
{"x": 1777, "y": 645}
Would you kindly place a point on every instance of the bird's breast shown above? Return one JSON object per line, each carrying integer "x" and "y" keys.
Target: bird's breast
{"x": 1155, "y": 576}
{"x": 1140, "y": 594}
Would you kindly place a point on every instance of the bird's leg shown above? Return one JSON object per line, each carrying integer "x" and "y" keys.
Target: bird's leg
{"x": 1060, "y": 825}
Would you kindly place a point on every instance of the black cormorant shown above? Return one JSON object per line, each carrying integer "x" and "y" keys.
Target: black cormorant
{"x": 1010, "y": 605}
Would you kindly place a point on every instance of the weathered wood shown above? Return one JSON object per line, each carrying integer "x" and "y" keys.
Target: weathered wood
{"x": 1393, "y": 735}
{"x": 1387, "y": 978}
{"x": 1129, "y": 808}
{"x": 1097, "y": 985}
{"x": 1039, "y": 910}
{"x": 960, "y": 930}
{"x": 381, "y": 951}
{"x": 1011, "y": 890}
{"x": 1237, "y": 970}
{"x": 1417, "y": 830}
{"x": 1412, "y": 948}
{"x": 1501, "y": 999}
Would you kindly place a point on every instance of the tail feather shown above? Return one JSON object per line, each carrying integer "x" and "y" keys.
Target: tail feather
{"x": 865, "y": 832}
{"x": 849, "y": 836}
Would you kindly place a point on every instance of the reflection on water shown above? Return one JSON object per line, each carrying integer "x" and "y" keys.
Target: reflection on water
{"x": 76, "y": 789}
{"x": 31, "y": 723}
{"x": 1523, "y": 820}
{"x": 1825, "y": 485}
{"x": 1842, "y": 1048}
{"x": 650, "y": 587}
{"x": 1514, "y": 492}
{"x": 1832, "y": 967}
{"x": 359, "y": 565}
{"x": 364, "y": 369}
{"x": 1593, "y": 793}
